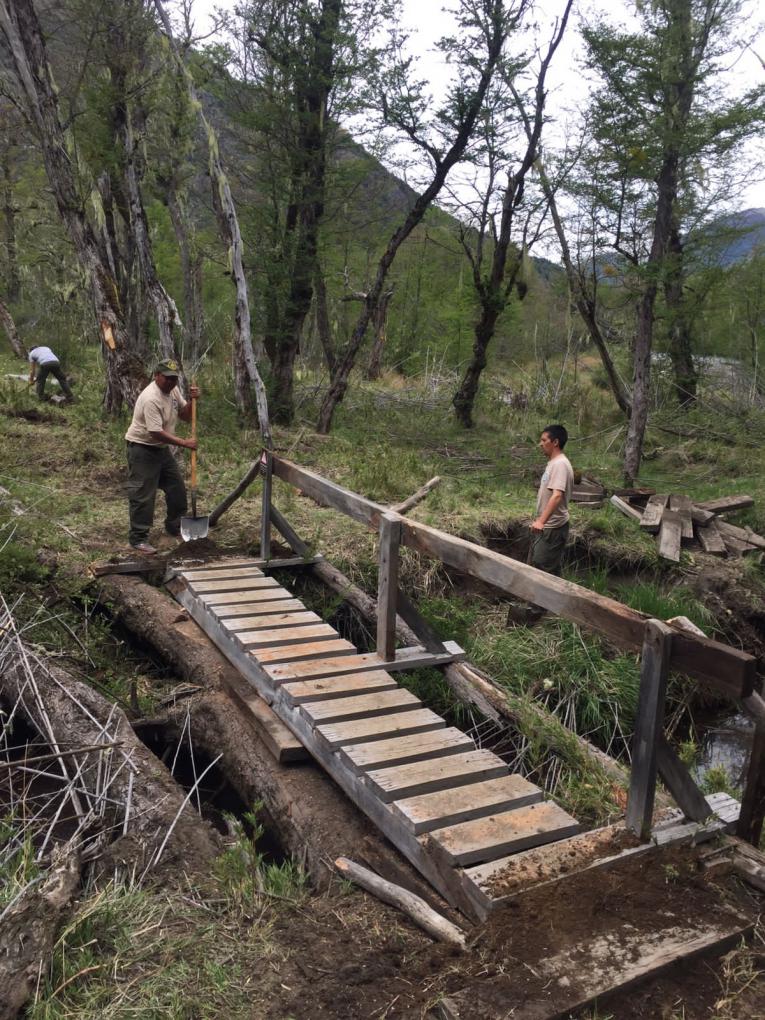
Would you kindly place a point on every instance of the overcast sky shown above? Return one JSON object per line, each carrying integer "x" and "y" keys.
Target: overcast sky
{"x": 427, "y": 22}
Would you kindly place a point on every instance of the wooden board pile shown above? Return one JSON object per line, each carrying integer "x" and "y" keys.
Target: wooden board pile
{"x": 676, "y": 520}
{"x": 588, "y": 492}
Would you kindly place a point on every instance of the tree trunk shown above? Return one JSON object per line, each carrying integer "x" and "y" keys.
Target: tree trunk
{"x": 12, "y": 277}
{"x": 323, "y": 327}
{"x": 191, "y": 267}
{"x": 165, "y": 311}
{"x": 19, "y": 23}
{"x": 29, "y": 928}
{"x": 679, "y": 331}
{"x": 379, "y": 323}
{"x": 307, "y": 185}
{"x": 464, "y": 399}
{"x": 10, "y": 328}
{"x": 244, "y": 354}
{"x": 473, "y": 105}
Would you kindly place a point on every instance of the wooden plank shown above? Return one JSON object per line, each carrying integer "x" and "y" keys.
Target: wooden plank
{"x": 338, "y": 687}
{"x": 270, "y": 621}
{"x": 275, "y": 735}
{"x": 702, "y": 517}
{"x": 711, "y": 539}
{"x": 430, "y": 641}
{"x": 485, "y": 839}
{"x": 445, "y": 881}
{"x": 649, "y": 724}
{"x": 287, "y": 532}
{"x": 726, "y": 669}
{"x": 387, "y": 589}
{"x": 670, "y": 536}
{"x": 303, "y": 653}
{"x": 406, "y": 658}
{"x": 266, "y": 471}
{"x": 682, "y": 506}
{"x": 213, "y": 571}
{"x": 233, "y": 584}
{"x": 402, "y": 781}
{"x": 449, "y": 807}
{"x": 382, "y": 727}
{"x": 281, "y": 607}
{"x": 254, "y": 640}
{"x": 363, "y": 706}
{"x": 735, "y": 545}
{"x": 272, "y": 593}
{"x": 610, "y": 961}
{"x": 725, "y": 504}
{"x": 679, "y": 783}
{"x": 481, "y": 880}
{"x": 145, "y": 565}
{"x": 403, "y": 750}
{"x": 654, "y": 508}
{"x": 742, "y": 534}
{"x": 624, "y": 508}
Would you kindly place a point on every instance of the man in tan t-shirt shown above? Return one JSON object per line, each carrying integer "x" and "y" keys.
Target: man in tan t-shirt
{"x": 549, "y": 529}
{"x": 151, "y": 465}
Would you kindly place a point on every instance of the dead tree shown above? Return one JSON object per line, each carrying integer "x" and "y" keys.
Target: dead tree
{"x": 38, "y": 96}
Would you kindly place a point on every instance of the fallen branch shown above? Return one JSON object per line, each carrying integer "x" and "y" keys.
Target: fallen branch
{"x": 416, "y": 497}
{"x": 414, "y": 907}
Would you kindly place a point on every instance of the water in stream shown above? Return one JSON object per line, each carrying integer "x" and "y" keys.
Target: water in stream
{"x": 725, "y": 741}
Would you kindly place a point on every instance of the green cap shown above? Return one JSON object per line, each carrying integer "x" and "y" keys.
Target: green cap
{"x": 168, "y": 368}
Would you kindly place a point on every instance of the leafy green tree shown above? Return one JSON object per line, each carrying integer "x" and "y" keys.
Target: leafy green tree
{"x": 662, "y": 126}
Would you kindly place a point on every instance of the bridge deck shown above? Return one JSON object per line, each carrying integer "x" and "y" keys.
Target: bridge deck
{"x": 447, "y": 805}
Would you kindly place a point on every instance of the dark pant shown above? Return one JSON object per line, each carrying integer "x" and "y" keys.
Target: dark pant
{"x": 52, "y": 368}
{"x": 151, "y": 468}
{"x": 548, "y": 547}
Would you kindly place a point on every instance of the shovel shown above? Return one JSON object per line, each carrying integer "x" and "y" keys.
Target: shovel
{"x": 193, "y": 528}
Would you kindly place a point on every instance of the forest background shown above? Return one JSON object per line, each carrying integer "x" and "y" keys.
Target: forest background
{"x": 344, "y": 267}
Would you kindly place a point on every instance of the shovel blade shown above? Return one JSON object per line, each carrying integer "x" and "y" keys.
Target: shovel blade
{"x": 194, "y": 528}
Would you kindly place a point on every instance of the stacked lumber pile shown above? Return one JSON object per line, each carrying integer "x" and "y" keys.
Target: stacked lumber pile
{"x": 677, "y": 520}
{"x": 587, "y": 491}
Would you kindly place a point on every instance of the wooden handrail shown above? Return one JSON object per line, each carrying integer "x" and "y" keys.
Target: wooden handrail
{"x": 727, "y": 670}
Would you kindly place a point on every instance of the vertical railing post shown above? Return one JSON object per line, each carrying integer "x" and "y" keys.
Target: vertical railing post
{"x": 266, "y": 469}
{"x": 649, "y": 725}
{"x": 750, "y": 819}
{"x": 390, "y": 539}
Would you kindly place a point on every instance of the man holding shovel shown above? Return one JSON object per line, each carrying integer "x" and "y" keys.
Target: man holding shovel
{"x": 151, "y": 465}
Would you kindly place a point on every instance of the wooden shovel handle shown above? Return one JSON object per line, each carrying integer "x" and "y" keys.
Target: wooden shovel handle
{"x": 193, "y": 436}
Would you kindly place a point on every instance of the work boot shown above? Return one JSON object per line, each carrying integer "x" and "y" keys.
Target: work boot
{"x": 144, "y": 548}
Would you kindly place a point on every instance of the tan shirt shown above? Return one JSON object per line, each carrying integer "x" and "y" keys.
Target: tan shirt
{"x": 559, "y": 475}
{"x": 154, "y": 411}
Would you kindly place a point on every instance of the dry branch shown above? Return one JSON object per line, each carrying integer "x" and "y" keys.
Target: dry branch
{"x": 416, "y": 497}
{"x": 415, "y": 908}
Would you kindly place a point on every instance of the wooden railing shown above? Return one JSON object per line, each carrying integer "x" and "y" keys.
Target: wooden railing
{"x": 728, "y": 671}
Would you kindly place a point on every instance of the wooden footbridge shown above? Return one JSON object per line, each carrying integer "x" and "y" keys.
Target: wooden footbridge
{"x": 454, "y": 810}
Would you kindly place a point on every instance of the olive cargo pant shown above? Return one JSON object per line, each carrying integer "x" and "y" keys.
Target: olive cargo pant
{"x": 151, "y": 468}
{"x": 52, "y": 368}
{"x": 548, "y": 547}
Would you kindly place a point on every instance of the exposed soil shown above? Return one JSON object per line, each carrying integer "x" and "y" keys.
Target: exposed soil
{"x": 347, "y": 959}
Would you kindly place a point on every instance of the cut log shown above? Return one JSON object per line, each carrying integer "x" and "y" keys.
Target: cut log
{"x": 28, "y": 929}
{"x": 414, "y": 907}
